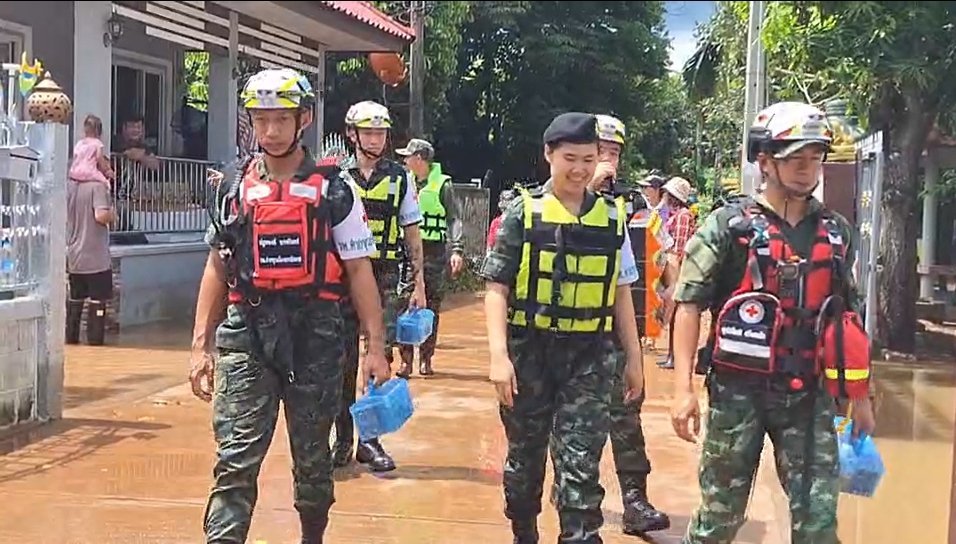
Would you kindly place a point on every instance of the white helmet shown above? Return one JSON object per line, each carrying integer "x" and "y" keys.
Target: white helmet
{"x": 784, "y": 128}
{"x": 277, "y": 89}
{"x": 610, "y": 129}
{"x": 368, "y": 114}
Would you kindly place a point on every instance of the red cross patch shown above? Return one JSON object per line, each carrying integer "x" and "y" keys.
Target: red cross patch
{"x": 751, "y": 312}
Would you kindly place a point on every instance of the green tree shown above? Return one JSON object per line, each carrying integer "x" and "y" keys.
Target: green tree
{"x": 894, "y": 64}
{"x": 522, "y": 63}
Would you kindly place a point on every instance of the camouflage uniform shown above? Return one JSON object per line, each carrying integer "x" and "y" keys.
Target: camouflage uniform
{"x": 743, "y": 408}
{"x": 387, "y": 277}
{"x": 564, "y": 393}
{"x": 286, "y": 349}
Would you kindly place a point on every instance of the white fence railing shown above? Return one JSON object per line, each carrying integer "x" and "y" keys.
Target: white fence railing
{"x": 170, "y": 198}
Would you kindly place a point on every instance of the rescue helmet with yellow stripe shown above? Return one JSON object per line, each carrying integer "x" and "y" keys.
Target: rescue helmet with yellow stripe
{"x": 368, "y": 114}
{"x": 611, "y": 129}
{"x": 277, "y": 89}
{"x": 374, "y": 120}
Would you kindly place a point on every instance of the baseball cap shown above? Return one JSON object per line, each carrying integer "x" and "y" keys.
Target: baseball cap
{"x": 417, "y": 146}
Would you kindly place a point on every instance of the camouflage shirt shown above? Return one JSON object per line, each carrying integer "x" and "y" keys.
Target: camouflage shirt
{"x": 714, "y": 264}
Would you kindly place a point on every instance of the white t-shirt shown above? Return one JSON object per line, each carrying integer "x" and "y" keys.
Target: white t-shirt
{"x": 629, "y": 273}
{"x": 409, "y": 213}
{"x": 352, "y": 236}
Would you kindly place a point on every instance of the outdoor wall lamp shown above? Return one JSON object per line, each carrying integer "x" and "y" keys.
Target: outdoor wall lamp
{"x": 114, "y": 29}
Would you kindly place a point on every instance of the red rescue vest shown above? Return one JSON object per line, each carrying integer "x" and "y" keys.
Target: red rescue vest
{"x": 285, "y": 239}
{"x": 782, "y": 317}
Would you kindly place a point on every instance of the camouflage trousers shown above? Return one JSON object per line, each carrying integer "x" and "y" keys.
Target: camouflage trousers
{"x": 627, "y": 435}
{"x": 562, "y": 402}
{"x": 800, "y": 426}
{"x": 436, "y": 263}
{"x": 252, "y": 374}
{"x": 386, "y": 276}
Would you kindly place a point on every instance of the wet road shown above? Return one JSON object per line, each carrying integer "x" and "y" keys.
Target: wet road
{"x": 131, "y": 462}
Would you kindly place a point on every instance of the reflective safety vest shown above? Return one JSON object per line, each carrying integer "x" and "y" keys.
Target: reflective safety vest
{"x": 382, "y": 204}
{"x": 776, "y": 321}
{"x": 281, "y": 238}
{"x": 434, "y": 216}
{"x": 567, "y": 279}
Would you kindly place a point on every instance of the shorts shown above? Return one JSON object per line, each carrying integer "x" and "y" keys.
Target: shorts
{"x": 96, "y": 286}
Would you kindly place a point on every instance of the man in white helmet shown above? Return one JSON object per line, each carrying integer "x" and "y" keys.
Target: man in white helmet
{"x": 627, "y": 436}
{"x": 388, "y": 192}
{"x": 285, "y": 233}
{"x": 771, "y": 268}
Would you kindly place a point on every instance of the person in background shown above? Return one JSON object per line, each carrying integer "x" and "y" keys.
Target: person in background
{"x": 652, "y": 187}
{"x": 89, "y": 214}
{"x": 141, "y": 165}
{"x": 504, "y": 198}
{"x": 680, "y": 226}
{"x": 626, "y": 433}
{"x": 441, "y": 226}
{"x": 390, "y": 198}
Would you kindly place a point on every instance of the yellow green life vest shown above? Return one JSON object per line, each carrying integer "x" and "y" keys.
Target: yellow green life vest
{"x": 567, "y": 279}
{"x": 382, "y": 203}
{"x": 434, "y": 215}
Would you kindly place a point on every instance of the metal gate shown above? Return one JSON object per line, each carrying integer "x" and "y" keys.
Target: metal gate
{"x": 869, "y": 179}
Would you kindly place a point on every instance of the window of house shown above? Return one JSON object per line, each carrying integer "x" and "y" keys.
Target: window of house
{"x": 140, "y": 90}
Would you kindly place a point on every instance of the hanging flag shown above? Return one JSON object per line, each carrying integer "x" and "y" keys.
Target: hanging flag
{"x": 29, "y": 75}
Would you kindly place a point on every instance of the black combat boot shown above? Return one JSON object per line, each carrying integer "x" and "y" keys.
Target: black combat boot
{"x": 640, "y": 516}
{"x": 525, "y": 531}
{"x": 372, "y": 453}
{"x": 95, "y": 322}
{"x": 342, "y": 451}
{"x": 313, "y": 527}
{"x": 74, "y": 317}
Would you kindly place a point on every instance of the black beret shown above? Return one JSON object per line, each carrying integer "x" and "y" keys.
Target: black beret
{"x": 573, "y": 128}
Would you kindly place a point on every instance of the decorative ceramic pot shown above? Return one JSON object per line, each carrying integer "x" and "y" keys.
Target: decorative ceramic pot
{"x": 48, "y": 103}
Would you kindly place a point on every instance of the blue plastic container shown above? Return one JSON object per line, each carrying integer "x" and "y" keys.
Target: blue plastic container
{"x": 383, "y": 410}
{"x": 414, "y": 326}
{"x": 861, "y": 466}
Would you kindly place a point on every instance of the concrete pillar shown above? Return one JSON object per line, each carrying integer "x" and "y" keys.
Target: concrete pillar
{"x": 92, "y": 65}
{"x": 319, "y": 119}
{"x": 222, "y": 110}
{"x": 930, "y": 206}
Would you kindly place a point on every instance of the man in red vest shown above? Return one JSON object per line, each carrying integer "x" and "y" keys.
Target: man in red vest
{"x": 775, "y": 270}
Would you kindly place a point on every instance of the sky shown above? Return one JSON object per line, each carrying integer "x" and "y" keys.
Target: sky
{"x": 681, "y": 19}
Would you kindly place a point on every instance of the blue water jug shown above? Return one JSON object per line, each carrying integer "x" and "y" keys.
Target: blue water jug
{"x": 861, "y": 466}
{"x": 414, "y": 326}
{"x": 383, "y": 410}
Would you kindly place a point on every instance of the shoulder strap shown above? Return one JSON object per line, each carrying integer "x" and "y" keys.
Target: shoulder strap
{"x": 839, "y": 248}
